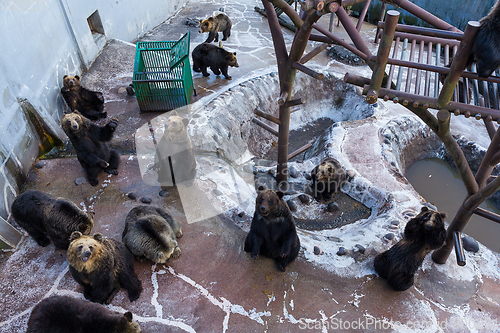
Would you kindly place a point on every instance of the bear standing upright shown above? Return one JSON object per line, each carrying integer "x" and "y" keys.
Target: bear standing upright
{"x": 423, "y": 233}
{"x": 213, "y": 25}
{"x": 486, "y": 49}
{"x": 150, "y": 233}
{"x": 90, "y": 142}
{"x": 64, "y": 314}
{"x": 87, "y": 102}
{"x": 102, "y": 266}
{"x": 273, "y": 232}
{"x": 207, "y": 55}
{"x": 47, "y": 218}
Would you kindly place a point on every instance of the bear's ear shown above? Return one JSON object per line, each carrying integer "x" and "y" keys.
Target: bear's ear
{"x": 424, "y": 209}
{"x": 261, "y": 188}
{"x": 65, "y": 76}
{"x": 234, "y": 53}
{"x": 77, "y": 112}
{"x": 185, "y": 121}
{"x": 75, "y": 235}
{"x": 280, "y": 194}
{"x": 98, "y": 237}
{"x": 443, "y": 215}
{"x": 91, "y": 214}
{"x": 77, "y": 77}
{"x": 128, "y": 315}
{"x": 173, "y": 113}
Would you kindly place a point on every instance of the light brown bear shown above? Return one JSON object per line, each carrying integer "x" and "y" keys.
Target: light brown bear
{"x": 102, "y": 266}
{"x": 328, "y": 177}
{"x": 64, "y": 314}
{"x": 213, "y": 25}
{"x": 175, "y": 162}
{"x": 87, "y": 102}
{"x": 150, "y": 233}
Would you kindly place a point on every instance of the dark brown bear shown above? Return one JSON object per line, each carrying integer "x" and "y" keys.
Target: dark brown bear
{"x": 207, "y": 55}
{"x": 213, "y": 25}
{"x": 273, "y": 232}
{"x": 423, "y": 233}
{"x": 47, "y": 218}
{"x": 102, "y": 266}
{"x": 90, "y": 142}
{"x": 150, "y": 233}
{"x": 87, "y": 102}
{"x": 64, "y": 314}
{"x": 327, "y": 178}
{"x": 486, "y": 49}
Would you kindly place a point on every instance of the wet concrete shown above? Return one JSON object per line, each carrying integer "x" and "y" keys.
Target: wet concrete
{"x": 214, "y": 286}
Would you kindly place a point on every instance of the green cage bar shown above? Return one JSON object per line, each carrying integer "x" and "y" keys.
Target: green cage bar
{"x": 162, "y": 77}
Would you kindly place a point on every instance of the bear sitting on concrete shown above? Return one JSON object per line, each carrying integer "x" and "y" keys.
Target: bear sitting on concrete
{"x": 213, "y": 25}
{"x": 47, "y": 218}
{"x": 102, "y": 266}
{"x": 90, "y": 142}
{"x": 150, "y": 233}
{"x": 87, "y": 102}
{"x": 273, "y": 232}
{"x": 207, "y": 55}
{"x": 64, "y": 314}
{"x": 175, "y": 161}
{"x": 486, "y": 49}
{"x": 327, "y": 178}
{"x": 423, "y": 233}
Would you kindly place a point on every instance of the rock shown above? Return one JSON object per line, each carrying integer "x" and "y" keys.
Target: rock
{"x": 360, "y": 248}
{"x": 146, "y": 200}
{"x": 307, "y": 175}
{"x": 39, "y": 164}
{"x": 430, "y": 206}
{"x": 333, "y": 207}
{"x": 470, "y": 244}
{"x": 342, "y": 251}
{"x": 389, "y": 236}
{"x": 216, "y": 192}
{"x": 130, "y": 90}
{"x": 305, "y": 199}
{"x": 248, "y": 168}
{"x": 334, "y": 239}
{"x": 271, "y": 171}
{"x": 351, "y": 174}
{"x": 193, "y": 22}
{"x": 241, "y": 214}
{"x": 131, "y": 196}
{"x": 317, "y": 250}
{"x": 121, "y": 90}
{"x": 395, "y": 223}
{"x": 293, "y": 172}
{"x": 80, "y": 180}
{"x": 163, "y": 193}
{"x": 292, "y": 205}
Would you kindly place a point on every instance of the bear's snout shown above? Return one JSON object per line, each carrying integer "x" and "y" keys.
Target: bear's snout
{"x": 429, "y": 225}
{"x": 86, "y": 255}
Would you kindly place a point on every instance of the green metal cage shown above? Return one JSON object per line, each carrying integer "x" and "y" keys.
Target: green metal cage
{"x": 162, "y": 77}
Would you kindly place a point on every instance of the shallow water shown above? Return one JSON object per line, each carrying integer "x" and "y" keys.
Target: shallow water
{"x": 440, "y": 184}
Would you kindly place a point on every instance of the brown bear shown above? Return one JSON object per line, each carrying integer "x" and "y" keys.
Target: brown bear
{"x": 90, "y": 143}
{"x": 486, "y": 49}
{"x": 175, "y": 161}
{"x": 102, "y": 266}
{"x": 213, "y": 25}
{"x": 207, "y": 55}
{"x": 423, "y": 233}
{"x": 64, "y": 314}
{"x": 272, "y": 232}
{"x": 47, "y": 218}
{"x": 328, "y": 177}
{"x": 87, "y": 102}
{"x": 150, "y": 233}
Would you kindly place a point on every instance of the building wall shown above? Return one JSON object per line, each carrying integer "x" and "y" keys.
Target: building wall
{"x": 42, "y": 40}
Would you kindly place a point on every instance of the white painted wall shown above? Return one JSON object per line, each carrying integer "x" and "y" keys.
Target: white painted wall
{"x": 41, "y": 42}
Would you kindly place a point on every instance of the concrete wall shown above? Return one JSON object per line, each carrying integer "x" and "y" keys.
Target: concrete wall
{"x": 41, "y": 42}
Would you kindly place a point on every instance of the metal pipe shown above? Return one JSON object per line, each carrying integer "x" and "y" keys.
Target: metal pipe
{"x": 308, "y": 71}
{"x": 351, "y": 31}
{"x": 428, "y": 73}
{"x": 294, "y": 102}
{"x": 426, "y": 39}
{"x": 265, "y": 126}
{"x": 409, "y": 73}
{"x": 299, "y": 151}
{"x": 317, "y": 50}
{"x": 391, "y": 69}
{"x": 459, "y": 248}
{"x": 425, "y": 31}
{"x": 419, "y": 71}
{"x": 362, "y": 15}
{"x": 400, "y": 69}
{"x": 267, "y": 116}
{"x": 380, "y": 19}
{"x": 487, "y": 214}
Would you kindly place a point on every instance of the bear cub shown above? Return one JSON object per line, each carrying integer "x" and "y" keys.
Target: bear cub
{"x": 423, "y": 233}
{"x": 486, "y": 49}
{"x": 47, "y": 218}
{"x": 90, "y": 143}
{"x": 327, "y": 178}
{"x": 150, "y": 233}
{"x": 102, "y": 266}
{"x": 213, "y": 25}
{"x": 272, "y": 232}
{"x": 175, "y": 161}
{"x": 64, "y": 314}
{"x": 207, "y": 55}
{"x": 87, "y": 102}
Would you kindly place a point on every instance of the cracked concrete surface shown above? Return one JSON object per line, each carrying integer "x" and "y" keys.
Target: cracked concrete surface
{"x": 214, "y": 286}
